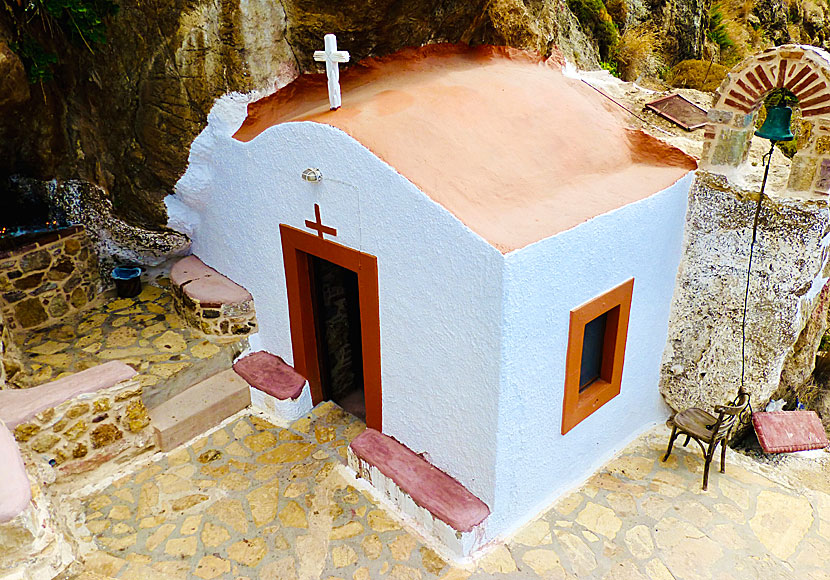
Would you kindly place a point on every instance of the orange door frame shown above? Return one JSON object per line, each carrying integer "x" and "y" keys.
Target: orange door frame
{"x": 297, "y": 246}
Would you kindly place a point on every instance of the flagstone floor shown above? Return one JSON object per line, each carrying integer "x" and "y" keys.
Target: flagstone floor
{"x": 145, "y": 332}
{"x": 254, "y": 501}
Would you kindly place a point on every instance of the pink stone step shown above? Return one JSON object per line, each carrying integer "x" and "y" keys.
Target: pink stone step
{"x": 429, "y": 487}
{"x": 199, "y": 408}
{"x": 15, "y": 490}
{"x": 18, "y": 406}
{"x": 270, "y": 374}
{"x": 205, "y": 285}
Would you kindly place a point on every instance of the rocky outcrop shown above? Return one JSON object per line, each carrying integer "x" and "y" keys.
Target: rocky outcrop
{"x": 702, "y": 361}
{"x": 124, "y": 117}
{"x": 682, "y": 26}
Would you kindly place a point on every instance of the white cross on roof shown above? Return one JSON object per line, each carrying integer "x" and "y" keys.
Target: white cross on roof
{"x": 332, "y": 57}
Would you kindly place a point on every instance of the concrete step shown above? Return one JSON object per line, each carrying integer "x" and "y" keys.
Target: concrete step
{"x": 202, "y": 406}
{"x": 189, "y": 375}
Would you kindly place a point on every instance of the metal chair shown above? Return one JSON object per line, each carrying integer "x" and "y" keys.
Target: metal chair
{"x": 708, "y": 430}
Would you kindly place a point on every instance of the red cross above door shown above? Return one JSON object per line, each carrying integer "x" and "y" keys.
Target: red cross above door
{"x": 318, "y": 226}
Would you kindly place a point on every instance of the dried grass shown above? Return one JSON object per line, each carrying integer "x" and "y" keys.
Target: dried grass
{"x": 634, "y": 50}
{"x": 691, "y": 74}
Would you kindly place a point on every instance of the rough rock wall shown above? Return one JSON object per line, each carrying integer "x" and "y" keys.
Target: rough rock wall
{"x": 124, "y": 117}
{"x": 702, "y": 360}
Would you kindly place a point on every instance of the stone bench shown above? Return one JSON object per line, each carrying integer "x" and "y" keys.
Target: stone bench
{"x": 210, "y": 302}
{"x": 20, "y": 405}
{"x": 48, "y": 422}
{"x": 438, "y": 504}
{"x": 275, "y": 386}
{"x": 80, "y": 422}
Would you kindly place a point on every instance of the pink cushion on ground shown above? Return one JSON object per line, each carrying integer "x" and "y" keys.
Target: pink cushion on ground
{"x": 15, "y": 490}
{"x": 788, "y": 431}
{"x": 18, "y": 406}
{"x": 203, "y": 283}
{"x": 428, "y": 486}
{"x": 270, "y": 374}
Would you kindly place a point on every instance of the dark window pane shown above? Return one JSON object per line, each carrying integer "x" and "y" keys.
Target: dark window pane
{"x": 592, "y": 345}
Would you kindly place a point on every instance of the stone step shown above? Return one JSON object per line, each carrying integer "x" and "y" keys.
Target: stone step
{"x": 202, "y": 406}
{"x": 276, "y": 387}
{"x": 186, "y": 377}
{"x": 429, "y": 498}
{"x": 270, "y": 374}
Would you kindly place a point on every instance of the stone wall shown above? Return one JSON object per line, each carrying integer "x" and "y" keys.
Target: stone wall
{"x": 702, "y": 361}
{"x": 47, "y": 280}
{"x": 81, "y": 434}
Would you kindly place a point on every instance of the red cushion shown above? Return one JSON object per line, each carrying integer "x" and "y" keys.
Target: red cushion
{"x": 788, "y": 431}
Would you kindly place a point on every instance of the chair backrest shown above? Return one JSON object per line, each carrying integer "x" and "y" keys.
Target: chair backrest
{"x": 728, "y": 414}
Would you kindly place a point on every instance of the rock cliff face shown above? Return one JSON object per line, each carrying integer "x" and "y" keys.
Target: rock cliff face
{"x": 702, "y": 361}
{"x": 124, "y": 117}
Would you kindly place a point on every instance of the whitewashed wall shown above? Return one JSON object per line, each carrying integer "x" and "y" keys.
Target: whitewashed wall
{"x": 542, "y": 283}
{"x": 440, "y": 284}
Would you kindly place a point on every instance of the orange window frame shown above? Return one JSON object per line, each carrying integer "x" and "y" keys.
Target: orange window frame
{"x": 577, "y": 406}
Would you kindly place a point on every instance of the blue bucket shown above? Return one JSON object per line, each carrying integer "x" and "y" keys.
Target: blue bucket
{"x": 127, "y": 281}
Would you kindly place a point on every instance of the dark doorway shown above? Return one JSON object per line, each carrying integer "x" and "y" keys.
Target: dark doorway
{"x": 336, "y": 298}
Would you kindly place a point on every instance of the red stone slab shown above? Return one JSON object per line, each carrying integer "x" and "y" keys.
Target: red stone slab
{"x": 19, "y": 405}
{"x": 270, "y": 374}
{"x": 428, "y": 486}
{"x": 201, "y": 282}
{"x": 788, "y": 431}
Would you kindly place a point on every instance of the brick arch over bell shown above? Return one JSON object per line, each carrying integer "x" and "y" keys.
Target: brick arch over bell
{"x": 804, "y": 70}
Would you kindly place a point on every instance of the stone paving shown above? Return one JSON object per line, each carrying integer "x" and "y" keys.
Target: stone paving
{"x": 144, "y": 332}
{"x": 254, "y": 501}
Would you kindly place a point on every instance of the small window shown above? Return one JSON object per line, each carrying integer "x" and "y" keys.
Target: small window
{"x": 592, "y": 344}
{"x": 596, "y": 349}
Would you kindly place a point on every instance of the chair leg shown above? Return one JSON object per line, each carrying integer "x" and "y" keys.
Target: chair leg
{"x": 671, "y": 442}
{"x": 723, "y": 456}
{"x": 707, "y": 462}
{"x": 686, "y": 442}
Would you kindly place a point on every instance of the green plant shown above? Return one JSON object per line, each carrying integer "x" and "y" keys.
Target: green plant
{"x": 37, "y": 60}
{"x": 610, "y": 67}
{"x": 80, "y": 20}
{"x": 594, "y": 17}
{"x": 781, "y": 98}
{"x": 717, "y": 31}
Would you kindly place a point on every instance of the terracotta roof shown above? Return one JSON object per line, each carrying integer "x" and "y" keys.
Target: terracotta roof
{"x": 500, "y": 137}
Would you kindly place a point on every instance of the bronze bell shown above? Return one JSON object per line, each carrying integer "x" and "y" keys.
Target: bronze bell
{"x": 776, "y": 126}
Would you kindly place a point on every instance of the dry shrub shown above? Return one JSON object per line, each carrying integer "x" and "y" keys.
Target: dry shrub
{"x": 635, "y": 48}
{"x": 691, "y": 74}
{"x": 618, "y": 10}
